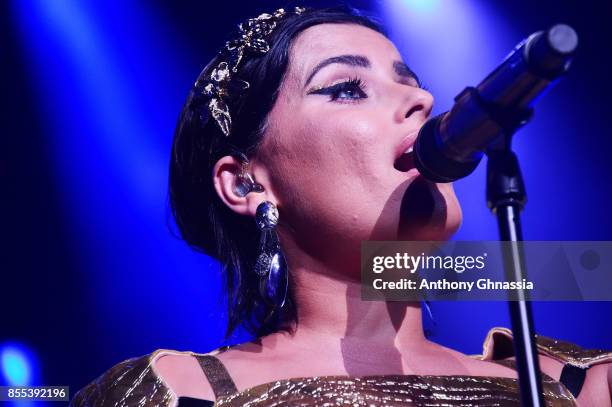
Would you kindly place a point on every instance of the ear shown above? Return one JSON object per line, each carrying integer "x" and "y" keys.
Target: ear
{"x": 225, "y": 179}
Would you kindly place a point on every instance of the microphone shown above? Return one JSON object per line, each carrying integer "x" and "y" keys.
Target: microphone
{"x": 450, "y": 145}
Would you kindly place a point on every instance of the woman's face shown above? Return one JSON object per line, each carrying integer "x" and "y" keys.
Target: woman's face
{"x": 347, "y": 109}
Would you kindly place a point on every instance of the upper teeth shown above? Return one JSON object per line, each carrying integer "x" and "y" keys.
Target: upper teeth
{"x": 409, "y": 150}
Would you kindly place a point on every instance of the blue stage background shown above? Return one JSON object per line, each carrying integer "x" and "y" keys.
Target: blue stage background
{"x": 91, "y": 274}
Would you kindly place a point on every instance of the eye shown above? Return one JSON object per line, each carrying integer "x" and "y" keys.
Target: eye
{"x": 352, "y": 89}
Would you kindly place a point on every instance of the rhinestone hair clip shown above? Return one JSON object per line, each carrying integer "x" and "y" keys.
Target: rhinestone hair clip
{"x": 211, "y": 93}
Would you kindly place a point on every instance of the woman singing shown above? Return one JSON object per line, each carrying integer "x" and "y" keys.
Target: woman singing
{"x": 293, "y": 147}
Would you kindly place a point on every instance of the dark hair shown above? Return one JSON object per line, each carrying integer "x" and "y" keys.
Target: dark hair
{"x": 203, "y": 220}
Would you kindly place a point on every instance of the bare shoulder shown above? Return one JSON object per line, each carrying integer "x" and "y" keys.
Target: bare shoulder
{"x": 182, "y": 373}
{"x": 597, "y": 388}
{"x": 592, "y": 365}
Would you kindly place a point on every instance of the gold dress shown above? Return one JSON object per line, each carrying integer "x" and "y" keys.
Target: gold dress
{"x": 134, "y": 383}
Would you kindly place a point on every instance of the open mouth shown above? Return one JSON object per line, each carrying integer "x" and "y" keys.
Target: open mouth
{"x": 405, "y": 162}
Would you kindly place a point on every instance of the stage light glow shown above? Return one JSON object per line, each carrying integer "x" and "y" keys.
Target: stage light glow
{"x": 422, "y": 6}
{"x": 16, "y": 363}
{"x": 105, "y": 77}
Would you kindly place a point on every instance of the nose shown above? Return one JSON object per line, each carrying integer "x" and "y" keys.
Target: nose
{"x": 415, "y": 105}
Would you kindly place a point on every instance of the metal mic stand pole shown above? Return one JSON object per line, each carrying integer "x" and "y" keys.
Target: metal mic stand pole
{"x": 506, "y": 197}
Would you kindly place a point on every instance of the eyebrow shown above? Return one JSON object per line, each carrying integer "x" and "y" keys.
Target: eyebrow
{"x": 351, "y": 60}
{"x": 400, "y": 68}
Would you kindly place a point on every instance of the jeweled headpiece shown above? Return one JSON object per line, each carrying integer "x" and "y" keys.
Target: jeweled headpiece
{"x": 211, "y": 94}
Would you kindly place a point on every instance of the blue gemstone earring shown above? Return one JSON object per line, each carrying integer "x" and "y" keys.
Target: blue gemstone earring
{"x": 270, "y": 266}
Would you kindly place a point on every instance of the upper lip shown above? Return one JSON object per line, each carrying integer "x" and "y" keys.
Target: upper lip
{"x": 406, "y": 143}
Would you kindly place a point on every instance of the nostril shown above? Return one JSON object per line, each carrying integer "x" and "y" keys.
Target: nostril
{"x": 414, "y": 109}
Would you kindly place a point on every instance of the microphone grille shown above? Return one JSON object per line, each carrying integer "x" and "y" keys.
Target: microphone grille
{"x": 563, "y": 39}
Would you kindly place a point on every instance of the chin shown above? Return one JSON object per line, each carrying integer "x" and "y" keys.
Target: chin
{"x": 431, "y": 212}
{"x": 453, "y": 214}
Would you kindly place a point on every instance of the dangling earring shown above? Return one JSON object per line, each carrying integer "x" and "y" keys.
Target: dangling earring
{"x": 270, "y": 266}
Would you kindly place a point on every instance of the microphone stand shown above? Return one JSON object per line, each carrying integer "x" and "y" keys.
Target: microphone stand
{"x": 506, "y": 197}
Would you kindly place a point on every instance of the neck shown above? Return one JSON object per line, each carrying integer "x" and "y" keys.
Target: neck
{"x": 339, "y": 332}
{"x": 330, "y": 309}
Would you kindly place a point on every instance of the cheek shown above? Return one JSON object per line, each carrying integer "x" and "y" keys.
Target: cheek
{"x": 328, "y": 168}
{"x": 351, "y": 141}
{"x": 334, "y": 142}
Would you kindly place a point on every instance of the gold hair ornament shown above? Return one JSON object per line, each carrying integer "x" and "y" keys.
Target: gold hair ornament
{"x": 210, "y": 95}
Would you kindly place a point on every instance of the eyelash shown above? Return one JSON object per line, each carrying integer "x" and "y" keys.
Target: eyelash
{"x": 350, "y": 85}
